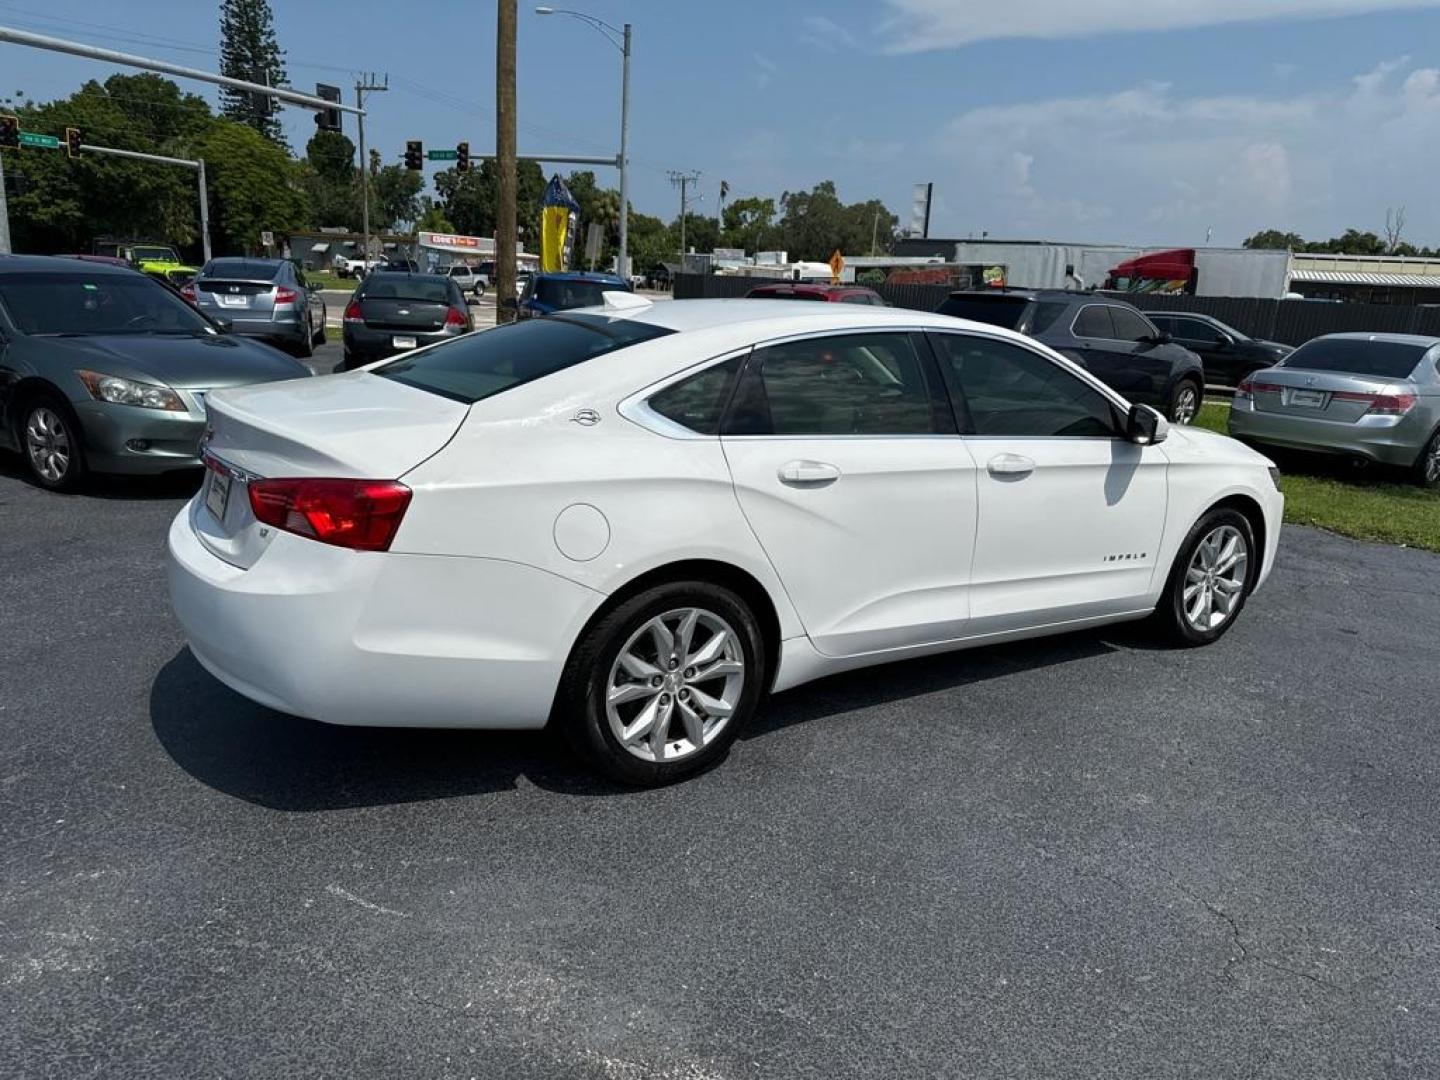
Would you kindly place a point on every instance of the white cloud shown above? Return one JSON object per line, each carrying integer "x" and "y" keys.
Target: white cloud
{"x": 762, "y": 70}
{"x": 1149, "y": 164}
{"x": 825, "y": 34}
{"x": 921, "y": 25}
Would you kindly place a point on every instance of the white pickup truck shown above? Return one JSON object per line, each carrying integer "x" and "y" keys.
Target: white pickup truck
{"x": 347, "y": 267}
{"x": 468, "y": 278}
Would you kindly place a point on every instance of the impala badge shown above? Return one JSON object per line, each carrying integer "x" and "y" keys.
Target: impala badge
{"x": 586, "y": 418}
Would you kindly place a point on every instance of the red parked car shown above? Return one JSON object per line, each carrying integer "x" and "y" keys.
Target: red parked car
{"x": 836, "y": 294}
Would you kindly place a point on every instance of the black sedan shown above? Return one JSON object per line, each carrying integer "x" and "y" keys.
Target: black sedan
{"x": 395, "y": 311}
{"x": 1228, "y": 355}
{"x": 1109, "y": 338}
{"x": 103, "y": 369}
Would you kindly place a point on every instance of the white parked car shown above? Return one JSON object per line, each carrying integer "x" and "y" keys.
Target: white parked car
{"x": 641, "y": 519}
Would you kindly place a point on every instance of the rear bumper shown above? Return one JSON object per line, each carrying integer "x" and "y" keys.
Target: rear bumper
{"x": 364, "y": 345}
{"x": 378, "y": 639}
{"x": 1389, "y": 440}
{"x": 126, "y": 439}
{"x": 291, "y": 329}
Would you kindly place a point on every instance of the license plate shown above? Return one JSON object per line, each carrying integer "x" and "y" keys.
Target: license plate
{"x": 217, "y": 493}
{"x": 1307, "y": 399}
{"x": 234, "y": 301}
{"x": 403, "y": 342}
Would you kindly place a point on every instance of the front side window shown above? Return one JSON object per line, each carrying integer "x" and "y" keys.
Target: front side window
{"x": 698, "y": 402}
{"x": 1010, "y": 391}
{"x": 1130, "y": 325}
{"x": 849, "y": 384}
{"x": 1094, "y": 322}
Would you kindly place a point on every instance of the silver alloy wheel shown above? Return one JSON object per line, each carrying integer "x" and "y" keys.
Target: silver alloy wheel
{"x": 1432, "y": 461}
{"x": 1187, "y": 404}
{"x": 684, "y": 665}
{"x": 47, "y": 442}
{"x": 1215, "y": 579}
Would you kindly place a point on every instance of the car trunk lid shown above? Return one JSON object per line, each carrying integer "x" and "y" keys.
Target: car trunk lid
{"x": 400, "y": 314}
{"x": 1336, "y": 397}
{"x": 353, "y": 426}
{"x": 230, "y": 294}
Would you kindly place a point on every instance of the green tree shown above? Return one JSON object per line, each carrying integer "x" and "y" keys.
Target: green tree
{"x": 701, "y": 232}
{"x": 330, "y": 180}
{"x": 432, "y": 217}
{"x": 1274, "y": 239}
{"x": 250, "y": 51}
{"x": 394, "y": 194}
{"x": 63, "y": 204}
{"x": 651, "y": 242}
{"x": 749, "y": 224}
{"x": 468, "y": 199}
{"x": 254, "y": 185}
{"x": 600, "y": 206}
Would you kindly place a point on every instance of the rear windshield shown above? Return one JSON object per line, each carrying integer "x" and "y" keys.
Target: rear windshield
{"x": 1383, "y": 359}
{"x": 244, "y": 269}
{"x": 563, "y": 294}
{"x": 479, "y": 366}
{"x": 996, "y": 310}
{"x": 406, "y": 287}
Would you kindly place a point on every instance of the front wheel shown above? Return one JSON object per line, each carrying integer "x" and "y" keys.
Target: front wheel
{"x": 1185, "y": 405}
{"x": 53, "y": 444}
{"x": 660, "y": 687}
{"x": 1210, "y": 580}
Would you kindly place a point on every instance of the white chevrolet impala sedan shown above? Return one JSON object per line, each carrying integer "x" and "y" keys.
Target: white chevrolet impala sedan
{"x": 636, "y": 521}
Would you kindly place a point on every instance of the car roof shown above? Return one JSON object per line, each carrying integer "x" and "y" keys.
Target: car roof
{"x": 55, "y": 264}
{"x": 810, "y": 286}
{"x": 578, "y": 275}
{"x": 781, "y": 316}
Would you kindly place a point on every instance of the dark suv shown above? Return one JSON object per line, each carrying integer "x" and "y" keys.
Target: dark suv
{"x": 1109, "y": 338}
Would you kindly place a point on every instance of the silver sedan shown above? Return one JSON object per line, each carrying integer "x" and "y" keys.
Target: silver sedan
{"x": 1371, "y": 397}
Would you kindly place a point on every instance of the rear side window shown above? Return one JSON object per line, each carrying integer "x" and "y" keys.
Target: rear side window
{"x": 1094, "y": 322}
{"x": 1042, "y": 316}
{"x": 478, "y": 366}
{"x": 849, "y": 384}
{"x": 1130, "y": 325}
{"x": 1358, "y": 356}
{"x": 1010, "y": 391}
{"x": 996, "y": 310}
{"x": 699, "y": 401}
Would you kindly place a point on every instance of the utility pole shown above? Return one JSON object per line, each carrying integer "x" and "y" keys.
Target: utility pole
{"x": 505, "y": 161}
{"x": 874, "y": 225}
{"x": 365, "y": 85}
{"x": 4, "y": 212}
{"x": 683, "y": 180}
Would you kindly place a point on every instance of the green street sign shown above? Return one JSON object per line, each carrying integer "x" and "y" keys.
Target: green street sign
{"x": 44, "y": 142}
{"x": 438, "y": 155}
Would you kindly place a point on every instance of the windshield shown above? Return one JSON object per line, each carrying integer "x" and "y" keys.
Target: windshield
{"x": 565, "y": 293}
{"x": 156, "y": 254}
{"x": 245, "y": 269}
{"x": 1358, "y": 356}
{"x": 120, "y": 302}
{"x": 435, "y": 290}
{"x": 481, "y": 365}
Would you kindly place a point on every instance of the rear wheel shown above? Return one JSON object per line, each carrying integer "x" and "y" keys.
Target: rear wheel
{"x": 1185, "y": 404}
{"x": 1210, "y": 579}
{"x": 305, "y": 347}
{"x": 52, "y": 443}
{"x": 660, "y": 687}
{"x": 1427, "y": 466}
{"x": 320, "y": 337}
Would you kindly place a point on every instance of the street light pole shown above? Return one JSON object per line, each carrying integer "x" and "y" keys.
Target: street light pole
{"x": 622, "y": 263}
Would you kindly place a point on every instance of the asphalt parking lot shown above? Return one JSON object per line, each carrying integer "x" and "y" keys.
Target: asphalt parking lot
{"x": 1081, "y": 857}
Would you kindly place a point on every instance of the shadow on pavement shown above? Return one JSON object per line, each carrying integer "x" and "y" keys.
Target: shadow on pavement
{"x": 178, "y": 484}
{"x": 285, "y": 763}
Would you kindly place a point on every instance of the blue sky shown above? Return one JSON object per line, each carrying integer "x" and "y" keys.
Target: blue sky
{"x": 1104, "y": 120}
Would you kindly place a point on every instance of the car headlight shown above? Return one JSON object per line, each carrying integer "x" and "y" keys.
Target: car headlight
{"x": 118, "y": 391}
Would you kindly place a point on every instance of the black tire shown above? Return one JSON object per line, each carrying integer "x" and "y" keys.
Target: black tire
{"x": 1427, "y": 465}
{"x": 1188, "y": 395}
{"x": 581, "y": 700}
{"x": 320, "y": 337}
{"x": 1170, "y": 617}
{"x": 74, "y": 436}
{"x": 305, "y": 347}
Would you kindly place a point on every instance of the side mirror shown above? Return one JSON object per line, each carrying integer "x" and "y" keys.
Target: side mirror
{"x": 1145, "y": 427}
{"x": 225, "y": 325}
{"x": 1223, "y": 341}
{"x": 1160, "y": 337}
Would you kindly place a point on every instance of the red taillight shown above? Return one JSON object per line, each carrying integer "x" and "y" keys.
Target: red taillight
{"x": 359, "y": 514}
{"x": 352, "y": 312}
{"x": 188, "y": 292}
{"x": 285, "y": 295}
{"x": 455, "y": 317}
{"x": 1380, "y": 404}
{"x": 1244, "y": 390}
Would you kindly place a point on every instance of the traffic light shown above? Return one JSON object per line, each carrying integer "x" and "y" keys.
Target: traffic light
{"x": 72, "y": 141}
{"x": 9, "y": 131}
{"x": 414, "y": 154}
{"x": 327, "y": 119}
{"x": 462, "y": 157}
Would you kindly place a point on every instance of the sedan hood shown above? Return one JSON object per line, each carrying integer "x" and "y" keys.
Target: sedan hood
{"x": 182, "y": 361}
{"x": 357, "y": 424}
